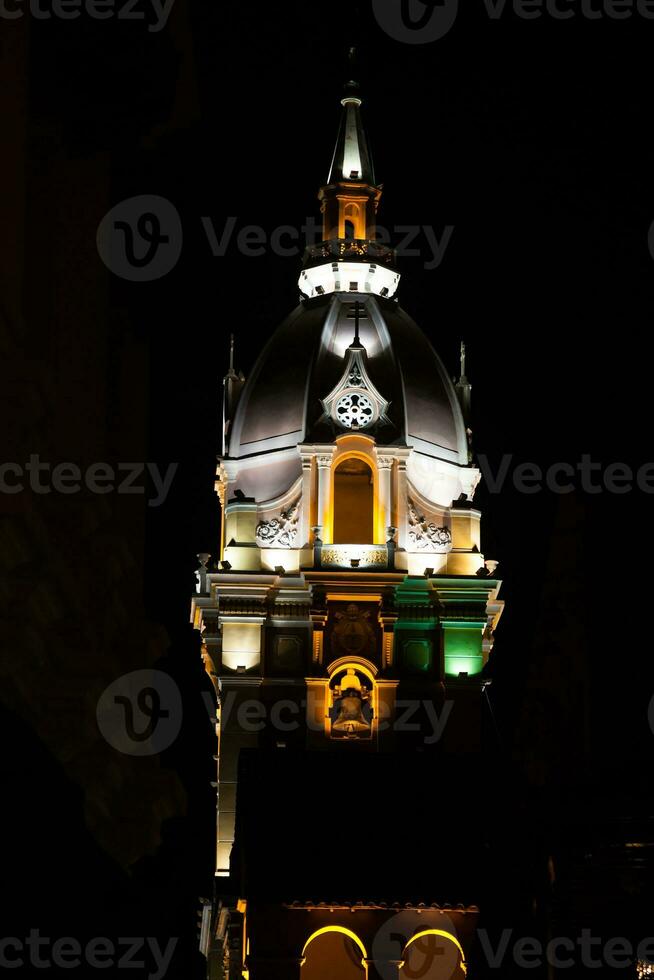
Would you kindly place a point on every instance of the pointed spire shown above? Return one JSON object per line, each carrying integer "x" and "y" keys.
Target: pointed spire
{"x": 464, "y": 394}
{"x": 233, "y": 383}
{"x": 231, "y": 373}
{"x": 352, "y": 159}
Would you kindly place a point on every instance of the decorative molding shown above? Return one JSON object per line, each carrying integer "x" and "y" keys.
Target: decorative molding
{"x": 344, "y": 555}
{"x": 355, "y": 404}
{"x": 220, "y": 485}
{"x": 424, "y": 535}
{"x": 354, "y": 410}
{"x": 242, "y": 606}
{"x": 470, "y": 479}
{"x": 280, "y": 532}
{"x": 385, "y": 462}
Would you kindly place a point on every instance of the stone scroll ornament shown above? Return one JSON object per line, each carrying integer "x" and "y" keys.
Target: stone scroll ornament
{"x": 426, "y": 536}
{"x": 281, "y": 531}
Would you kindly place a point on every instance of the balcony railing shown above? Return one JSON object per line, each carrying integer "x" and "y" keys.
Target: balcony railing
{"x": 344, "y": 250}
{"x": 361, "y": 557}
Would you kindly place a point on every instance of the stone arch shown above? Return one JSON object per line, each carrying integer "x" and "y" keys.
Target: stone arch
{"x": 450, "y": 971}
{"x": 354, "y": 215}
{"x": 354, "y": 501}
{"x": 357, "y": 447}
{"x": 342, "y": 954}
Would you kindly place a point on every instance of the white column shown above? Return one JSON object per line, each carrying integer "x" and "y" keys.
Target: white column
{"x": 402, "y": 495}
{"x": 384, "y": 470}
{"x": 324, "y": 494}
{"x": 305, "y": 510}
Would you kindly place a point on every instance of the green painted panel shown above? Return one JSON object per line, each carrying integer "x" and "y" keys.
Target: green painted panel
{"x": 463, "y": 653}
{"x": 417, "y": 654}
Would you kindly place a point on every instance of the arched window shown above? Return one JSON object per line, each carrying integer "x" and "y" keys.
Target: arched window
{"x": 433, "y": 955}
{"x": 352, "y": 222}
{"x": 354, "y": 503}
{"x": 334, "y": 953}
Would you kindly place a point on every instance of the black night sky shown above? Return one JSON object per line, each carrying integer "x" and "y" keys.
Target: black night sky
{"x": 532, "y": 139}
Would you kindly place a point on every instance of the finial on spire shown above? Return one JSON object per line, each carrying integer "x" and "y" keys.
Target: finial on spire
{"x": 352, "y": 88}
{"x": 464, "y": 394}
{"x": 232, "y": 387}
{"x": 232, "y": 373}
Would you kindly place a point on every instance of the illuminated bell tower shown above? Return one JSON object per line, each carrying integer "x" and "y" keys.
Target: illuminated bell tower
{"x": 348, "y": 627}
{"x": 350, "y": 197}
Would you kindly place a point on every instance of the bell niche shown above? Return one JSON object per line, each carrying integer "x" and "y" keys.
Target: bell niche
{"x": 351, "y": 712}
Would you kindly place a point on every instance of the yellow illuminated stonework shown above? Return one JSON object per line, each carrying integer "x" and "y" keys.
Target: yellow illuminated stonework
{"x": 342, "y": 931}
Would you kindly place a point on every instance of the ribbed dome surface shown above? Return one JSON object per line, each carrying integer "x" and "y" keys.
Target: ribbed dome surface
{"x": 305, "y": 359}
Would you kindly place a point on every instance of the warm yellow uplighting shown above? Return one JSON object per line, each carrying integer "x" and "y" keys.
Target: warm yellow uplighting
{"x": 358, "y": 663}
{"x": 241, "y": 645}
{"x": 345, "y": 932}
{"x": 356, "y": 447}
{"x": 443, "y": 935}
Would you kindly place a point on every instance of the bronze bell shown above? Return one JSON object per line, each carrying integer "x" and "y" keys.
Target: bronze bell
{"x": 350, "y": 719}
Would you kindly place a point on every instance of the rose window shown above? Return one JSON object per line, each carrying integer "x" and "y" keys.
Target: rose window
{"x": 354, "y": 411}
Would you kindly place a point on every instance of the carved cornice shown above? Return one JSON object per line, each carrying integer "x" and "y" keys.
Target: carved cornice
{"x": 290, "y": 610}
{"x": 242, "y": 606}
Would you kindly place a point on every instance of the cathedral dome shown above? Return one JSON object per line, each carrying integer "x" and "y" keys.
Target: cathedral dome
{"x": 348, "y": 361}
{"x": 282, "y": 404}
